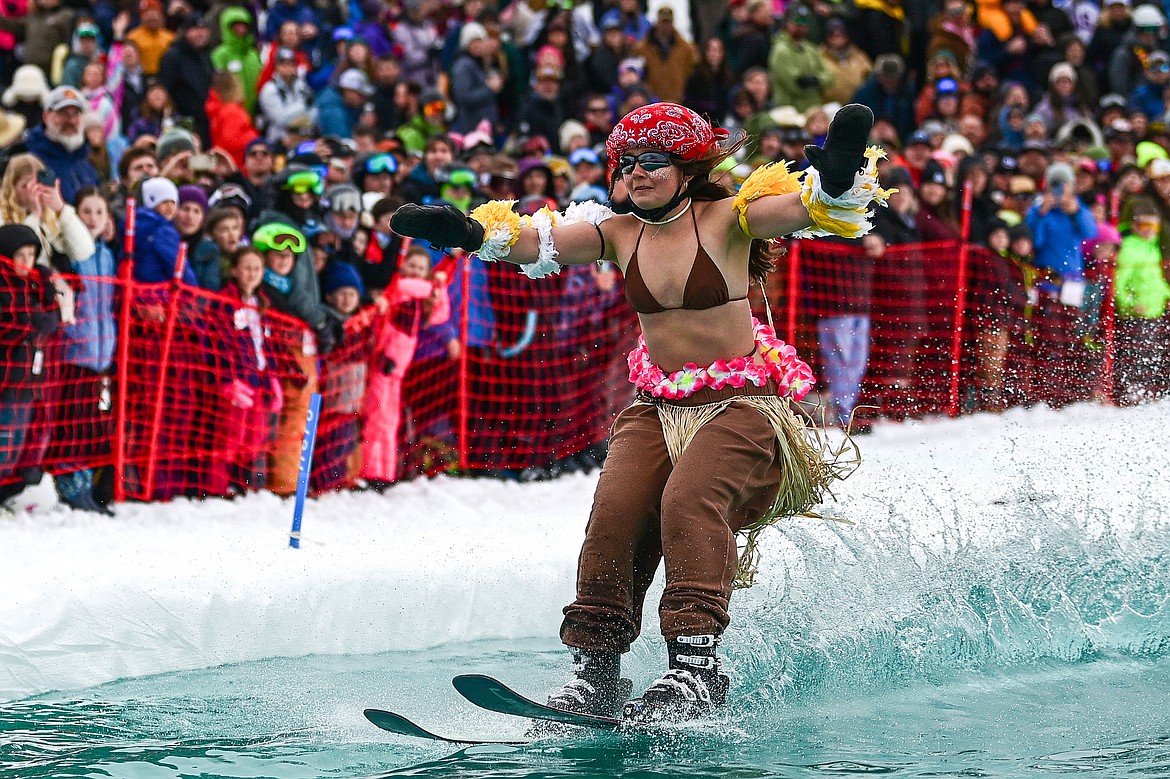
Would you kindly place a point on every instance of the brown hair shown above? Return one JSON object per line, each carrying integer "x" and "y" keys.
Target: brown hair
{"x": 228, "y": 87}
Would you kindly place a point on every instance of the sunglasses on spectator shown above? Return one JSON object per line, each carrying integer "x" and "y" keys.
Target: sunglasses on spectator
{"x": 305, "y": 181}
{"x": 1160, "y": 67}
{"x": 382, "y": 163}
{"x": 649, "y": 160}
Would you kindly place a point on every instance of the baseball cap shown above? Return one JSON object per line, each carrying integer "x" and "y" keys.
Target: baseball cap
{"x": 934, "y": 173}
{"x": 1035, "y": 144}
{"x": 86, "y": 29}
{"x": 355, "y": 80}
{"x": 798, "y": 14}
{"x": 285, "y": 54}
{"x": 343, "y": 34}
{"x": 1112, "y": 100}
{"x": 1147, "y": 16}
{"x": 898, "y": 176}
{"x": 64, "y": 97}
{"x": 946, "y": 86}
{"x": 918, "y": 136}
{"x": 584, "y": 154}
{"x": 158, "y": 190}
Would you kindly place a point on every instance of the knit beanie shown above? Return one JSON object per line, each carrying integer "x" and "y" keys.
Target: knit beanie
{"x": 13, "y": 237}
{"x": 189, "y": 193}
{"x": 158, "y": 190}
{"x": 337, "y": 275}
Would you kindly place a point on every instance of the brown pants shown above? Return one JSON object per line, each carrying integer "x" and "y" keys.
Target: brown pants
{"x": 646, "y": 510}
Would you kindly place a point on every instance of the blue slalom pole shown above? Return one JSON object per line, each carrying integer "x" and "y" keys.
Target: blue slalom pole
{"x": 310, "y": 440}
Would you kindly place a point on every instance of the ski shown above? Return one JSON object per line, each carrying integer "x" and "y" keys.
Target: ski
{"x": 494, "y": 695}
{"x": 396, "y": 723}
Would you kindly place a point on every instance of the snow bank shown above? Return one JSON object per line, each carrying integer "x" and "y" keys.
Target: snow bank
{"x": 195, "y": 584}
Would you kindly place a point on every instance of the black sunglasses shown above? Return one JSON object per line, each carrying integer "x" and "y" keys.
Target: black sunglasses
{"x": 649, "y": 160}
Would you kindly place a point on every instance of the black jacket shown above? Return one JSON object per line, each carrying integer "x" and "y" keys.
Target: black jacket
{"x": 186, "y": 73}
{"x": 28, "y": 316}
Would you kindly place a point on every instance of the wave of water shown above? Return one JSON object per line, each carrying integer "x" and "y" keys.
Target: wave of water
{"x": 1028, "y": 580}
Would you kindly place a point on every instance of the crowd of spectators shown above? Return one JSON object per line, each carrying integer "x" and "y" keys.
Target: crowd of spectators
{"x": 276, "y": 139}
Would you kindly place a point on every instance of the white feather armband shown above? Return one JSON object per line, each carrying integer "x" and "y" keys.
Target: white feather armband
{"x": 847, "y": 215}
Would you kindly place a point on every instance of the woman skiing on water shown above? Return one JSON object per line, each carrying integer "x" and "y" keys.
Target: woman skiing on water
{"x": 703, "y": 452}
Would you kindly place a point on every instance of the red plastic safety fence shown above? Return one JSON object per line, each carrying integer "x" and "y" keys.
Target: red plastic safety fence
{"x": 547, "y": 372}
{"x": 177, "y": 391}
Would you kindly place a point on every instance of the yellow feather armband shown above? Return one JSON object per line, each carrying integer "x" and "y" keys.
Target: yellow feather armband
{"x": 771, "y": 179}
{"x": 501, "y": 228}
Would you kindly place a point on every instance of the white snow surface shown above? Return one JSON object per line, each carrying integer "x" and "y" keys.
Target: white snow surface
{"x": 189, "y": 584}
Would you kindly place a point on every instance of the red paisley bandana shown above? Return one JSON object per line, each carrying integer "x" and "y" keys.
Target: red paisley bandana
{"x": 667, "y": 127}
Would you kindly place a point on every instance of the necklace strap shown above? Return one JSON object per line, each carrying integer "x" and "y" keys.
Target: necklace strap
{"x": 668, "y": 220}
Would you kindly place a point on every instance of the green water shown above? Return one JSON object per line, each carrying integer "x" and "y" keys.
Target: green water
{"x": 301, "y": 718}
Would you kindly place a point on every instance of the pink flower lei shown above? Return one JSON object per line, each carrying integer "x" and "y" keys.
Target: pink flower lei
{"x": 792, "y": 375}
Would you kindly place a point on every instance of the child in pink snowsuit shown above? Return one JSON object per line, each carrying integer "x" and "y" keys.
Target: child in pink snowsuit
{"x": 410, "y": 302}
{"x": 252, "y": 396}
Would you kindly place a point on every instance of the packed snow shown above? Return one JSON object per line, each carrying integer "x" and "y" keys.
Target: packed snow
{"x": 188, "y": 584}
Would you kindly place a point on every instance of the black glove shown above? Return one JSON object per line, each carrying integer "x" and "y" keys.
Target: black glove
{"x": 844, "y": 151}
{"x": 330, "y": 335}
{"x": 807, "y": 82}
{"x": 444, "y": 226}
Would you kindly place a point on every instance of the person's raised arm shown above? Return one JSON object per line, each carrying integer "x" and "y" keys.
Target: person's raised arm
{"x": 831, "y": 198}
{"x": 539, "y": 243}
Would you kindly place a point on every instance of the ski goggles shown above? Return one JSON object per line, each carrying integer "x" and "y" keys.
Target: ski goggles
{"x": 649, "y": 160}
{"x": 278, "y": 237}
{"x": 382, "y": 163}
{"x": 305, "y": 181}
{"x": 461, "y": 178}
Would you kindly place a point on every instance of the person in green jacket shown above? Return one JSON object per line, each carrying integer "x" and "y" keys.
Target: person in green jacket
{"x": 1141, "y": 294}
{"x": 798, "y": 72}
{"x": 238, "y": 54}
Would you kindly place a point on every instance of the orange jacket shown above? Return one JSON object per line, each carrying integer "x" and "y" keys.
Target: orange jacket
{"x": 991, "y": 16}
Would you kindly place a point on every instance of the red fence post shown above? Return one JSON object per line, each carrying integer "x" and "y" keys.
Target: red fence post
{"x": 464, "y": 327}
{"x": 126, "y": 277}
{"x": 960, "y": 304}
{"x": 793, "y": 291}
{"x": 1109, "y": 312}
{"x": 164, "y": 366}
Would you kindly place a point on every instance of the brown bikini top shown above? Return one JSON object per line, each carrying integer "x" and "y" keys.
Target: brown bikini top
{"x": 706, "y": 287}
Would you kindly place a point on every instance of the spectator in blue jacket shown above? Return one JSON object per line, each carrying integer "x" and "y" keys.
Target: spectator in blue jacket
{"x": 156, "y": 244}
{"x": 84, "y": 424}
{"x": 59, "y": 141}
{"x": 889, "y": 94}
{"x": 1149, "y": 96}
{"x": 339, "y": 107}
{"x": 1060, "y": 222}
